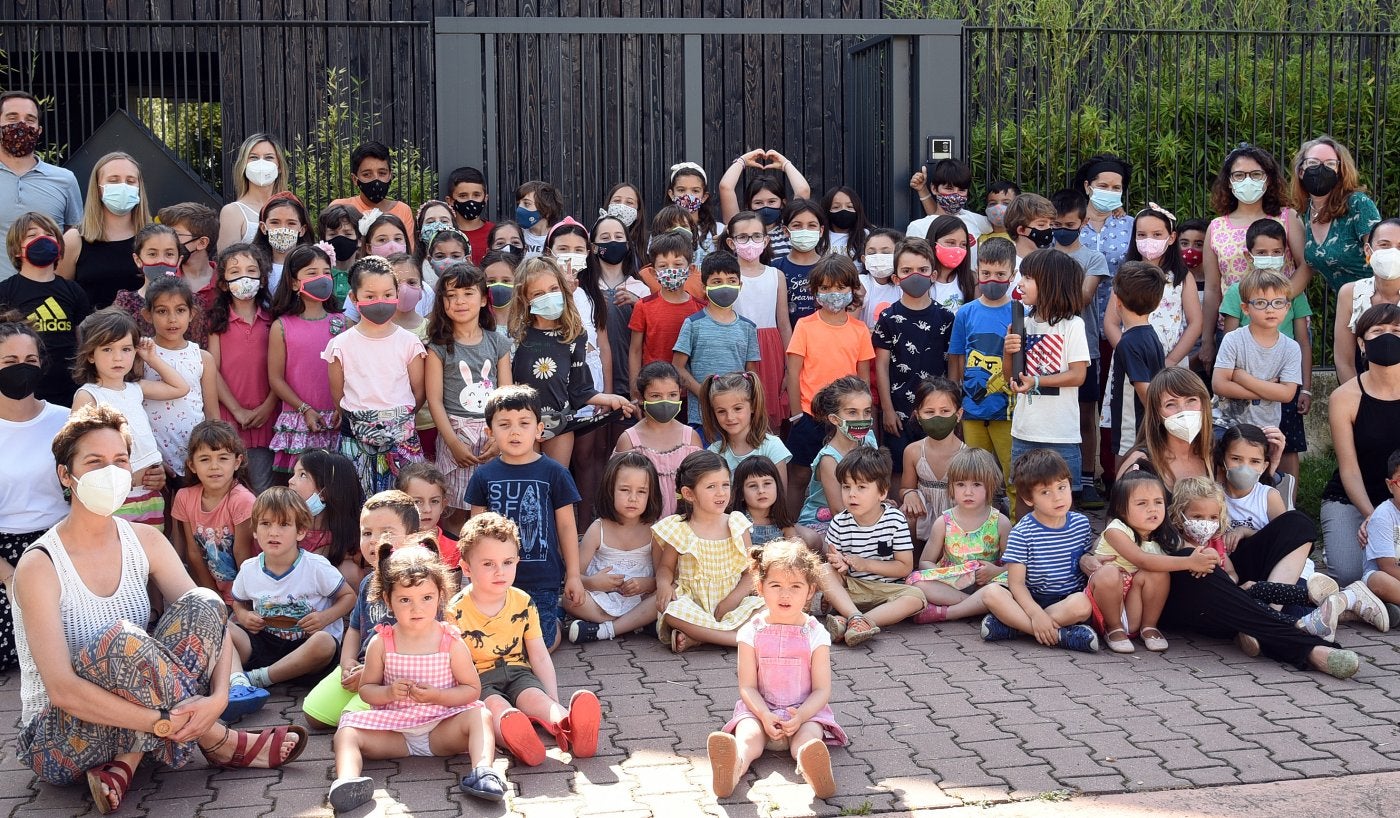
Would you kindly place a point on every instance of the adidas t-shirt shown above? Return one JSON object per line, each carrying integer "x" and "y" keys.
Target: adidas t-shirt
{"x": 55, "y": 309}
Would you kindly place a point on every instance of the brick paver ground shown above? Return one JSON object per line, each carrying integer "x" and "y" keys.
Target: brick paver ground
{"x": 937, "y": 719}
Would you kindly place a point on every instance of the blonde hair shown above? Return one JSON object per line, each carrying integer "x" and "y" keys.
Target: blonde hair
{"x": 1258, "y": 281}
{"x": 570, "y": 322}
{"x": 91, "y": 227}
{"x": 972, "y": 465}
{"x": 1189, "y": 489}
{"x": 490, "y": 524}
{"x": 784, "y": 555}
{"x": 240, "y": 165}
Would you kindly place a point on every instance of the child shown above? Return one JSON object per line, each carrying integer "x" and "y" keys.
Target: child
{"x": 536, "y": 491}
{"x": 54, "y": 305}
{"x": 327, "y": 482}
{"x": 975, "y": 356}
{"x": 877, "y": 274}
{"x": 283, "y": 224}
{"x": 625, "y": 203}
{"x": 999, "y": 197}
{"x": 965, "y": 541}
{"x": 759, "y": 495}
{"x": 732, "y": 409}
{"x": 765, "y": 193}
{"x": 1130, "y": 599}
{"x": 943, "y": 191}
{"x": 671, "y": 219}
{"x": 849, "y": 224}
{"x": 371, "y": 172}
{"x": 1197, "y": 512}
{"x": 156, "y": 251}
{"x": 538, "y": 207}
{"x": 195, "y": 226}
{"x": 953, "y": 281}
{"x": 1056, "y": 358}
{"x": 305, "y": 319}
{"x": 911, "y": 343}
{"x": 169, "y": 305}
{"x": 1046, "y": 596}
{"x": 567, "y": 244}
{"x": 376, "y": 378}
{"x": 1177, "y": 321}
{"x": 238, "y": 343}
{"x": 1266, "y": 242}
{"x": 287, "y": 603}
{"x": 715, "y": 341}
{"x": 612, "y": 269}
{"x": 784, "y": 677}
{"x": 702, "y": 580}
{"x": 443, "y": 246}
{"x": 383, "y": 235}
{"x": 508, "y": 238}
{"x": 1257, "y": 369}
{"x": 500, "y": 624}
{"x": 499, "y": 269}
{"x": 1382, "y": 575}
{"x": 763, "y": 301}
{"x": 869, "y": 549}
{"x": 825, "y": 346}
{"x": 656, "y": 320}
{"x": 923, "y": 494}
{"x": 466, "y": 192}
{"x": 109, "y": 365}
{"x": 1138, "y": 356}
{"x": 1028, "y": 220}
{"x": 847, "y": 422}
{"x": 689, "y": 190}
{"x": 616, "y": 551}
{"x": 664, "y": 440}
{"x": 420, "y": 683}
{"x": 428, "y": 488}
{"x": 339, "y": 227}
{"x": 214, "y": 515}
{"x": 804, "y": 224}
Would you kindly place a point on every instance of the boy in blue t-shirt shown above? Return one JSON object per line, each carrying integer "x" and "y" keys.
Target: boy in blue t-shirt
{"x": 1137, "y": 358}
{"x": 537, "y": 494}
{"x": 1046, "y": 596}
{"x": 716, "y": 340}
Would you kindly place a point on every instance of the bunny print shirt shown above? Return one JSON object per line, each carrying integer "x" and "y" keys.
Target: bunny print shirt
{"x": 469, "y": 373}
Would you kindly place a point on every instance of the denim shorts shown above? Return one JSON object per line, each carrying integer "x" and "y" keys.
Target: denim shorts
{"x": 1069, "y": 451}
{"x": 547, "y": 606}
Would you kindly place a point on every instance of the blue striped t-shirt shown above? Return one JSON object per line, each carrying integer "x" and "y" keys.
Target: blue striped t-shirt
{"x": 1051, "y": 555}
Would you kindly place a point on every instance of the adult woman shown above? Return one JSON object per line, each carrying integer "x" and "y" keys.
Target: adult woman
{"x": 30, "y": 499}
{"x": 1249, "y": 187}
{"x": 1364, "y": 413}
{"x": 1107, "y": 225}
{"x": 98, "y": 252}
{"x": 1355, "y": 297}
{"x": 98, "y": 692}
{"x": 259, "y": 171}
{"x": 1336, "y": 211}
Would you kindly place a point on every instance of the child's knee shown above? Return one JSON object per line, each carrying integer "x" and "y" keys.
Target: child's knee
{"x": 346, "y": 738}
{"x": 321, "y": 645}
{"x": 1077, "y": 608}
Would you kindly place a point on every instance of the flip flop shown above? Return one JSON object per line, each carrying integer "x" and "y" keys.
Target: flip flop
{"x": 117, "y": 776}
{"x": 348, "y": 793}
{"x": 519, "y": 736}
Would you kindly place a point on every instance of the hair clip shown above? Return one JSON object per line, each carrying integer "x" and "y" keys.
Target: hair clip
{"x": 1165, "y": 212}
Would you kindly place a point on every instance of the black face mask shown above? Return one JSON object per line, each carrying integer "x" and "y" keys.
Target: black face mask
{"x": 1319, "y": 180}
{"x": 1383, "y": 350}
{"x": 470, "y": 210}
{"x": 842, "y": 219}
{"x": 769, "y": 215}
{"x": 344, "y": 248}
{"x": 612, "y": 252}
{"x": 1041, "y": 238}
{"x": 17, "y": 381}
{"x": 375, "y": 190}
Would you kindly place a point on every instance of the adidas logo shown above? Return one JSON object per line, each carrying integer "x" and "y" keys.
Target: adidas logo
{"x": 50, "y": 317}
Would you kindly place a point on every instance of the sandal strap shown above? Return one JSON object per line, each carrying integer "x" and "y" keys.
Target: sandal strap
{"x": 115, "y": 774}
{"x": 227, "y": 732}
{"x": 248, "y": 750}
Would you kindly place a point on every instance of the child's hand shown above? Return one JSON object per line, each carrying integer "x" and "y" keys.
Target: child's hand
{"x": 838, "y": 562}
{"x": 664, "y": 595}
{"x": 401, "y": 689}
{"x": 637, "y": 586}
{"x": 1046, "y": 631}
{"x": 573, "y": 590}
{"x": 423, "y": 694}
{"x": 461, "y": 453}
{"x": 314, "y": 621}
{"x": 624, "y": 297}
{"x": 987, "y": 572}
{"x": 891, "y": 420}
{"x": 1204, "y": 562}
{"x": 919, "y": 181}
{"x": 789, "y": 725}
{"x": 913, "y": 505}
{"x": 605, "y": 581}
{"x": 1021, "y": 384}
{"x": 146, "y": 349}
{"x": 249, "y": 621}
{"x": 751, "y": 159}
{"x": 153, "y": 478}
{"x": 1012, "y": 344}
{"x": 1304, "y": 402}
{"x": 772, "y": 727}
{"x": 259, "y": 416}
{"x": 350, "y": 677}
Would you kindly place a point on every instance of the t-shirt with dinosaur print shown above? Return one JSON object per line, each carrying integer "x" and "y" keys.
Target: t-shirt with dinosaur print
{"x": 498, "y": 640}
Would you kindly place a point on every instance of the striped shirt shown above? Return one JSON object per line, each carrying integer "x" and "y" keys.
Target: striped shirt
{"x": 880, "y": 541}
{"x": 1051, "y": 555}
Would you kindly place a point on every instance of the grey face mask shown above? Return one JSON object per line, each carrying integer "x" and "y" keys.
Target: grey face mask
{"x": 916, "y": 285}
{"x": 1242, "y": 478}
{"x": 994, "y": 289}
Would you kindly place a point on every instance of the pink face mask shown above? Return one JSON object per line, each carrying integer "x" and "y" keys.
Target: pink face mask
{"x": 749, "y": 250}
{"x": 1151, "y": 248}
{"x": 409, "y": 297}
{"x": 388, "y": 248}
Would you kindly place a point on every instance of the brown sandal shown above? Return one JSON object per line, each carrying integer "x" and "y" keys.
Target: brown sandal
{"x": 116, "y": 776}
{"x": 248, "y": 749}
{"x": 680, "y": 642}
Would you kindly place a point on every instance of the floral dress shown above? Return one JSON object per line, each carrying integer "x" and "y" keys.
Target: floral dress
{"x": 706, "y": 573}
{"x": 1340, "y": 257}
{"x": 964, "y": 552}
{"x": 1169, "y": 319}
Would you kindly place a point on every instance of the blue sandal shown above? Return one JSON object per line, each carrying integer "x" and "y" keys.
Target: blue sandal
{"x": 484, "y": 783}
{"x": 242, "y": 700}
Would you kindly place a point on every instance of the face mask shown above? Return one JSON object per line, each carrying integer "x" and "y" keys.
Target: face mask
{"x": 836, "y": 302}
{"x": 1248, "y": 191}
{"x": 548, "y": 306}
{"x": 750, "y": 250}
{"x": 1193, "y": 256}
{"x": 722, "y": 295}
{"x": 612, "y": 252}
{"x": 500, "y": 293}
{"x": 856, "y": 430}
{"x": 1319, "y": 180}
{"x": 842, "y": 219}
{"x": 1106, "y": 201}
{"x": 939, "y": 427}
{"x": 1151, "y": 248}
{"x": 17, "y": 381}
{"x": 1383, "y": 350}
{"x": 996, "y": 214}
{"x": 1184, "y": 426}
{"x": 1385, "y": 263}
{"x": 440, "y": 265}
{"x": 244, "y": 288}
{"x": 318, "y": 288}
{"x": 574, "y": 262}
{"x": 155, "y": 272}
{"x": 526, "y": 218}
{"x": 409, "y": 296}
{"x": 512, "y": 250}
{"x": 804, "y": 240}
{"x": 1040, "y": 238}
{"x": 672, "y": 278}
{"x": 387, "y": 248}
{"x": 689, "y": 202}
{"x": 1268, "y": 262}
{"x": 42, "y": 251}
{"x": 103, "y": 491}
{"x": 378, "y": 311}
{"x": 917, "y": 286}
{"x": 949, "y": 257}
{"x": 121, "y": 198}
{"x": 993, "y": 290}
{"x": 431, "y": 229}
{"x": 770, "y": 215}
{"x": 315, "y": 504}
{"x": 344, "y": 248}
{"x": 1242, "y": 478}
{"x": 282, "y": 239}
{"x": 1200, "y": 531}
{"x": 470, "y": 210}
{"x": 374, "y": 191}
{"x": 623, "y": 213}
{"x": 1064, "y": 236}
{"x": 952, "y": 204}
{"x": 661, "y": 411}
{"x": 261, "y": 172}
{"x": 880, "y": 265}
{"x": 19, "y": 138}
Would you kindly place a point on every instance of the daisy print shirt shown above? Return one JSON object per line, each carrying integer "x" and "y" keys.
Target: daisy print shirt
{"x": 557, "y": 370}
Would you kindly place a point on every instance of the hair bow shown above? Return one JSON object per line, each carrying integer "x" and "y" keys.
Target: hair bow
{"x": 1165, "y": 212}
{"x": 328, "y": 249}
{"x": 680, "y": 166}
{"x": 368, "y": 219}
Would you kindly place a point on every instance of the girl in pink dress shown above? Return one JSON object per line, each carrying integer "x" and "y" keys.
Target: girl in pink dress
{"x": 784, "y": 677}
{"x": 419, "y": 680}
{"x": 664, "y": 440}
{"x": 238, "y": 327}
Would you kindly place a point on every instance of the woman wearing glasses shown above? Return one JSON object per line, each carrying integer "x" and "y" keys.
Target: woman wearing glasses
{"x": 1249, "y": 187}
{"x": 1336, "y": 212}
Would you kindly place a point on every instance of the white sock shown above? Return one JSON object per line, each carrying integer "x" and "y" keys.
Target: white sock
{"x": 605, "y": 631}
{"x": 239, "y": 679}
{"x": 258, "y": 678}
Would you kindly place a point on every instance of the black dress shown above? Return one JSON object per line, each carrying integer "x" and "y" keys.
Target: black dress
{"x": 104, "y": 267}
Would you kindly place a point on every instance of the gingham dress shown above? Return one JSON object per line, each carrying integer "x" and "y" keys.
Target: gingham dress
{"x": 430, "y": 669}
{"x": 705, "y": 574}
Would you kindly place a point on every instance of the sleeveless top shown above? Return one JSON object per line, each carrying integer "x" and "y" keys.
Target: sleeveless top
{"x": 1227, "y": 241}
{"x": 173, "y": 420}
{"x": 250, "y": 222}
{"x": 933, "y": 490}
{"x": 758, "y": 298}
{"x": 84, "y": 614}
{"x": 1250, "y": 510}
{"x": 666, "y": 464}
{"x": 1374, "y": 435}
{"x": 131, "y": 404}
{"x": 305, "y": 371}
{"x": 104, "y": 268}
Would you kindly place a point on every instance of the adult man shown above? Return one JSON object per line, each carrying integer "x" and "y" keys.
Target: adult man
{"x": 26, "y": 181}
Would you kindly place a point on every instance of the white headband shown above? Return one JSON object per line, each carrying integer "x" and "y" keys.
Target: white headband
{"x": 677, "y": 168}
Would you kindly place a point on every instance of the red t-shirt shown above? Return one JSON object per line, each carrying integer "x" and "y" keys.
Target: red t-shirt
{"x": 478, "y": 239}
{"x": 659, "y": 321}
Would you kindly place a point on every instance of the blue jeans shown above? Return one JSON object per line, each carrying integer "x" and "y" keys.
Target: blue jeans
{"x": 1069, "y": 451}
{"x": 547, "y": 607}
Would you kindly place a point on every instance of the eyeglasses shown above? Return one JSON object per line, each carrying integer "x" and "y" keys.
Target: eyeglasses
{"x": 753, "y": 237}
{"x": 1268, "y": 303}
{"x": 1241, "y": 175}
{"x": 1332, "y": 164}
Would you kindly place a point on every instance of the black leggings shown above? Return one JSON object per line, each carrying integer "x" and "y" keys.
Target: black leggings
{"x": 1257, "y": 555}
{"x": 1215, "y": 606}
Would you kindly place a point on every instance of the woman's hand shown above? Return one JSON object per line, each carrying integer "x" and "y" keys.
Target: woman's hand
{"x": 153, "y": 478}
{"x": 194, "y": 716}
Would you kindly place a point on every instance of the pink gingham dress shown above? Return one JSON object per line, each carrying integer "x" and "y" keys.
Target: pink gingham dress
{"x": 430, "y": 669}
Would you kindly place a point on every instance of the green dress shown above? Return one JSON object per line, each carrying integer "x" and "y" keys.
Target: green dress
{"x": 1341, "y": 257}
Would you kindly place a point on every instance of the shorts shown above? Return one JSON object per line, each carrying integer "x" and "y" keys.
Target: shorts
{"x": 1091, "y": 392}
{"x": 327, "y": 701}
{"x": 872, "y": 593}
{"x": 508, "y": 682}
{"x": 805, "y": 439}
{"x": 1295, "y": 437}
{"x": 1071, "y": 452}
{"x": 550, "y": 614}
{"x": 268, "y": 650}
{"x": 1046, "y": 600}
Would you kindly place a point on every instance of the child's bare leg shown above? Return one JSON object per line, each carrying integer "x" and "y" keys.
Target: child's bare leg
{"x": 639, "y": 617}
{"x": 1071, "y": 610}
{"x": 1106, "y": 586}
{"x": 352, "y": 745}
{"x": 816, "y": 543}
{"x": 537, "y": 704}
{"x": 1386, "y": 587}
{"x": 1288, "y": 464}
{"x": 1155, "y": 586}
{"x": 313, "y": 655}
{"x": 702, "y": 634}
{"x": 834, "y": 592}
{"x": 813, "y": 759}
{"x": 469, "y": 732}
{"x": 1001, "y": 604}
{"x": 973, "y": 605}
{"x": 587, "y": 610}
{"x": 808, "y": 731}
{"x": 798, "y": 478}
{"x": 940, "y": 593}
{"x": 896, "y": 610}
{"x": 496, "y": 705}
{"x": 560, "y": 448}
{"x": 748, "y": 734}
{"x": 242, "y": 646}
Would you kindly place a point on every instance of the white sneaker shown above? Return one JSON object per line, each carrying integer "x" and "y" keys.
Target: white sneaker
{"x": 1322, "y": 622}
{"x": 1368, "y": 606}
{"x": 1321, "y": 586}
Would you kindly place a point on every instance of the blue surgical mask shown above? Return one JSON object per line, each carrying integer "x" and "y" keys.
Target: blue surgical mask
{"x": 315, "y": 504}
{"x": 1106, "y": 201}
{"x": 1269, "y": 262}
{"x": 548, "y": 306}
{"x": 121, "y": 198}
